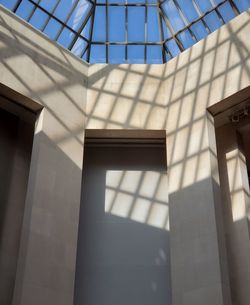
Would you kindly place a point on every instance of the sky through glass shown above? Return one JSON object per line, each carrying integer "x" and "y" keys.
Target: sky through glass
{"x": 127, "y": 31}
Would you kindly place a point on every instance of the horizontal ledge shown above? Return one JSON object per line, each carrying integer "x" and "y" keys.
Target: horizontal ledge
{"x": 113, "y": 137}
{"x": 19, "y": 99}
{"x": 126, "y": 133}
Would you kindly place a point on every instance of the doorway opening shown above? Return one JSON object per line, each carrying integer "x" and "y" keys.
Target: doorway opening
{"x": 123, "y": 254}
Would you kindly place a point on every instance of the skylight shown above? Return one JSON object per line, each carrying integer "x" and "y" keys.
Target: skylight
{"x": 127, "y": 31}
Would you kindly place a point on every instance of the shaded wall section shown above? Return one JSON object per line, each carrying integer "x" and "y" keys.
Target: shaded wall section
{"x": 123, "y": 245}
{"x": 16, "y": 137}
{"x": 55, "y": 80}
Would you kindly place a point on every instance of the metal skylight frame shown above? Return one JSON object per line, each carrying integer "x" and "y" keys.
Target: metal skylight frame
{"x": 164, "y": 24}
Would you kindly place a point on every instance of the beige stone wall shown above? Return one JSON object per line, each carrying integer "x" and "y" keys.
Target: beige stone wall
{"x": 235, "y": 205}
{"x": 172, "y": 97}
{"x": 175, "y": 97}
{"x": 53, "y": 78}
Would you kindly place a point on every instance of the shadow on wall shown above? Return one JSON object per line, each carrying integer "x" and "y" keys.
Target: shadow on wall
{"x": 16, "y": 138}
{"x": 123, "y": 244}
{"x": 45, "y": 74}
{"x": 49, "y": 220}
{"x": 178, "y": 84}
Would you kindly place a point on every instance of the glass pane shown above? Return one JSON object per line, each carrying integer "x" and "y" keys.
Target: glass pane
{"x": 10, "y": 4}
{"x": 173, "y": 15}
{"x": 153, "y": 25}
{"x": 173, "y": 47}
{"x": 136, "y": 24}
{"x": 154, "y": 54}
{"x": 199, "y": 30}
{"x": 25, "y": 9}
{"x": 86, "y": 30}
{"x": 226, "y": 12}
{"x": 242, "y": 5}
{"x": 204, "y": 5}
{"x": 79, "y": 47}
{"x": 52, "y": 28}
{"x": 64, "y": 8}
{"x": 115, "y": 1}
{"x": 79, "y": 14}
{"x": 135, "y": 1}
{"x": 48, "y": 4}
{"x": 213, "y": 21}
{"x": 39, "y": 19}
{"x": 136, "y": 54}
{"x": 166, "y": 31}
{"x": 66, "y": 38}
{"x": 188, "y": 10}
{"x": 116, "y": 54}
{"x": 186, "y": 39}
{"x": 116, "y": 26}
{"x": 99, "y": 33}
{"x": 98, "y": 54}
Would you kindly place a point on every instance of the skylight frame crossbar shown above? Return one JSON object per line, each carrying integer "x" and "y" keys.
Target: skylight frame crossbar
{"x": 62, "y": 23}
{"x": 161, "y": 16}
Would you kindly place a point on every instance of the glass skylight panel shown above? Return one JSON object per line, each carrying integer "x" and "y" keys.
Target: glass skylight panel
{"x": 127, "y": 31}
{"x": 116, "y": 54}
{"x": 38, "y": 19}
{"x": 52, "y": 28}
{"x": 116, "y": 25}
{"x": 136, "y": 24}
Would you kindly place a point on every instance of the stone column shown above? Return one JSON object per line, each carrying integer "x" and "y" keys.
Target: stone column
{"x": 235, "y": 200}
{"x": 198, "y": 256}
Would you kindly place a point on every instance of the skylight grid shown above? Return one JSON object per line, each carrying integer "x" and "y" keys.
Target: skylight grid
{"x": 127, "y": 31}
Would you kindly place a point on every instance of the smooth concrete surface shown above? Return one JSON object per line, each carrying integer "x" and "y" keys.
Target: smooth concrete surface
{"x": 123, "y": 247}
{"x": 55, "y": 80}
{"x": 16, "y": 138}
{"x": 235, "y": 203}
{"x": 177, "y": 98}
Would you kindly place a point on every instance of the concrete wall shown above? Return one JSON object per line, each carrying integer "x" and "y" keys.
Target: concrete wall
{"x": 235, "y": 203}
{"x": 56, "y": 81}
{"x": 123, "y": 246}
{"x": 172, "y": 97}
{"x": 175, "y": 97}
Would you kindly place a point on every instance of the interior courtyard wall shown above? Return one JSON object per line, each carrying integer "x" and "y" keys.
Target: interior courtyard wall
{"x": 55, "y": 80}
{"x": 176, "y": 97}
{"x": 173, "y": 97}
{"x": 235, "y": 205}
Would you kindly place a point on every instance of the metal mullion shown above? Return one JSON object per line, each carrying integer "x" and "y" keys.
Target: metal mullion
{"x": 173, "y": 34}
{"x": 33, "y": 10}
{"x": 91, "y": 33}
{"x": 52, "y": 12}
{"x": 135, "y": 43}
{"x": 167, "y": 50}
{"x": 126, "y": 33}
{"x": 107, "y": 31}
{"x": 84, "y": 50}
{"x": 199, "y": 12}
{"x": 161, "y": 35}
{"x": 81, "y": 28}
{"x": 59, "y": 21}
{"x": 127, "y": 4}
{"x": 17, "y": 6}
{"x": 220, "y": 16}
{"x": 145, "y": 32}
{"x": 216, "y": 8}
{"x": 234, "y": 7}
{"x": 67, "y": 19}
